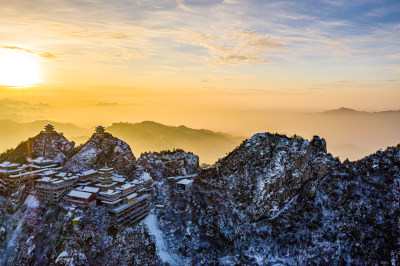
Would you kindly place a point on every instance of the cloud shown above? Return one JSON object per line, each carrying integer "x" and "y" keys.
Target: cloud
{"x": 93, "y": 33}
{"x": 264, "y": 43}
{"x": 232, "y": 46}
{"x": 261, "y": 40}
{"x": 106, "y": 104}
{"x": 171, "y": 36}
{"x": 35, "y": 52}
{"x": 233, "y": 58}
{"x": 182, "y": 6}
{"x": 113, "y": 104}
{"x": 102, "y": 44}
{"x": 229, "y": 2}
{"x": 224, "y": 79}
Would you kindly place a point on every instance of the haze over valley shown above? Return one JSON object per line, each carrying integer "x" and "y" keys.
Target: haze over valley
{"x": 349, "y": 133}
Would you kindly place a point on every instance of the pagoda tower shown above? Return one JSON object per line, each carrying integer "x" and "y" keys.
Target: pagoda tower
{"x": 100, "y": 130}
{"x": 49, "y": 128}
{"x": 105, "y": 175}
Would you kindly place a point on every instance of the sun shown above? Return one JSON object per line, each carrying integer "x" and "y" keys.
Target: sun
{"x": 19, "y": 68}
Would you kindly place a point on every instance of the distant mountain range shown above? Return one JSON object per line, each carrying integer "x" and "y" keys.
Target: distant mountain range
{"x": 354, "y": 134}
{"x": 152, "y": 136}
{"x": 12, "y": 132}
{"x": 349, "y": 111}
{"x": 20, "y": 110}
{"x": 349, "y": 133}
{"x": 142, "y": 137}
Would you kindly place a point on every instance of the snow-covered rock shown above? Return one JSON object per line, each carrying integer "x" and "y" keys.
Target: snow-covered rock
{"x": 50, "y": 145}
{"x": 3, "y": 234}
{"x": 279, "y": 200}
{"x": 46, "y": 236}
{"x": 71, "y": 258}
{"x": 31, "y": 202}
{"x": 161, "y": 246}
{"x": 145, "y": 177}
{"x": 16, "y": 199}
{"x": 168, "y": 163}
{"x": 260, "y": 177}
{"x": 102, "y": 149}
{"x": 273, "y": 201}
{"x": 353, "y": 218}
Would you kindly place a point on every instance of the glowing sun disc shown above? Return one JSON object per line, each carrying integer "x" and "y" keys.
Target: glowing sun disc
{"x": 18, "y": 69}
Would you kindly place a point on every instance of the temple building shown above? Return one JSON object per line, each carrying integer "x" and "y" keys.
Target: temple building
{"x": 183, "y": 185}
{"x": 48, "y": 128}
{"x": 128, "y": 202}
{"x": 43, "y": 163}
{"x": 86, "y": 176}
{"x": 13, "y": 175}
{"x": 45, "y": 172}
{"x": 88, "y": 189}
{"x": 82, "y": 199}
{"x": 100, "y": 130}
{"x": 53, "y": 189}
{"x": 129, "y": 210}
{"x": 104, "y": 179}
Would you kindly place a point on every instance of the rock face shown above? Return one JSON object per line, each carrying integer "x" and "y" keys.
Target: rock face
{"x": 281, "y": 200}
{"x": 169, "y": 163}
{"x": 101, "y": 149}
{"x": 15, "y": 200}
{"x": 45, "y": 235}
{"x": 51, "y": 145}
{"x": 273, "y": 200}
{"x": 354, "y": 217}
{"x": 262, "y": 175}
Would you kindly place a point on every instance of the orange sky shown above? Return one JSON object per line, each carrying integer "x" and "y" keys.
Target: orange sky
{"x": 205, "y": 59}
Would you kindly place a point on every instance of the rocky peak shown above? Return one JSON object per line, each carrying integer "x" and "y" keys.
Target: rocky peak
{"x": 51, "y": 145}
{"x": 257, "y": 181}
{"x": 356, "y": 206}
{"x": 280, "y": 200}
{"x": 168, "y": 163}
{"x": 318, "y": 144}
{"x": 102, "y": 148}
{"x": 268, "y": 170}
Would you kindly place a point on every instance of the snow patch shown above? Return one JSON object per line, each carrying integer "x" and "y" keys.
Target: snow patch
{"x": 145, "y": 177}
{"x": 284, "y": 208}
{"x": 31, "y": 202}
{"x": 161, "y": 245}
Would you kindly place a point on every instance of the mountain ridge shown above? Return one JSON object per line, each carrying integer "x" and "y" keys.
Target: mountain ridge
{"x": 101, "y": 149}
{"x": 346, "y": 110}
{"x": 365, "y": 131}
{"x": 272, "y": 199}
{"x": 336, "y": 213}
{"x": 51, "y": 145}
{"x": 207, "y": 144}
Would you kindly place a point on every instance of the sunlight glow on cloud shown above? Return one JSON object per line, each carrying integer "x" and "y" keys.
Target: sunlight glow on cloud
{"x": 229, "y": 2}
{"x": 182, "y": 6}
{"x": 178, "y": 43}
